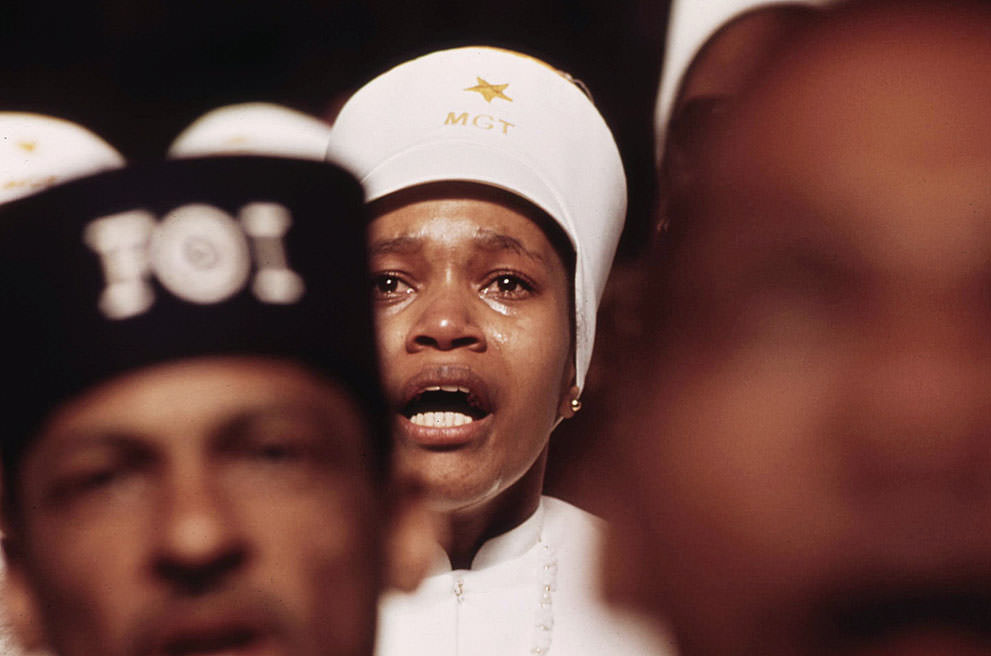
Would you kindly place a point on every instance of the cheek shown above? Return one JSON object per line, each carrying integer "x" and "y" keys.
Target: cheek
{"x": 391, "y": 327}
{"x": 338, "y": 570}
{"x": 328, "y": 539}
{"x": 94, "y": 546}
{"x": 89, "y": 583}
{"x": 537, "y": 346}
{"x": 736, "y": 475}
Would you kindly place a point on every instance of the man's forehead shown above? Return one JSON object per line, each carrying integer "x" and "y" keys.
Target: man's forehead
{"x": 204, "y": 394}
{"x": 912, "y": 87}
{"x": 886, "y": 142}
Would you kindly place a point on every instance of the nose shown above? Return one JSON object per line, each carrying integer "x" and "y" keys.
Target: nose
{"x": 446, "y": 322}
{"x": 200, "y": 544}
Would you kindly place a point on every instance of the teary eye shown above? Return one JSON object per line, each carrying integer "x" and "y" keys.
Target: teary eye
{"x": 386, "y": 286}
{"x": 508, "y": 285}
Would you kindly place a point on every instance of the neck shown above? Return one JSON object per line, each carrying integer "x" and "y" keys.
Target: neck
{"x": 470, "y": 528}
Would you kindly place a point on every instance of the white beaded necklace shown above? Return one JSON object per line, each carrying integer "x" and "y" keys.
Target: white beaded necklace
{"x": 543, "y": 622}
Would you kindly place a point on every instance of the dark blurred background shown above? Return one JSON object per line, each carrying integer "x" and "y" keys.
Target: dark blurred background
{"x": 138, "y": 72}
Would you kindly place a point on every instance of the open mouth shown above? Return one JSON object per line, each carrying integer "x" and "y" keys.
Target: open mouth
{"x": 445, "y": 406}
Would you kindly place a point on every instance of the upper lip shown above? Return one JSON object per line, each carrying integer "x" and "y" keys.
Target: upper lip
{"x": 448, "y": 378}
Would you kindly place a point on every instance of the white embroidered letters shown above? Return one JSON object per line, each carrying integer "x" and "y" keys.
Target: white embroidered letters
{"x": 198, "y": 252}
{"x": 266, "y": 224}
{"x": 122, "y": 243}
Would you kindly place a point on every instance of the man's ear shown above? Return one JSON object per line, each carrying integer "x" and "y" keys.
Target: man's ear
{"x": 20, "y": 604}
{"x": 413, "y": 537}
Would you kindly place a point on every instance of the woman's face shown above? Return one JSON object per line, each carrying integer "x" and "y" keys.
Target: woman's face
{"x": 474, "y": 321}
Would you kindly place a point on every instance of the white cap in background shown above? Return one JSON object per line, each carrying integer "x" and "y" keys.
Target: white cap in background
{"x": 503, "y": 119}
{"x": 254, "y": 129}
{"x": 38, "y": 151}
{"x": 690, "y": 25}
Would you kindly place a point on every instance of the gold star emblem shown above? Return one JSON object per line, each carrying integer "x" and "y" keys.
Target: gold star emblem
{"x": 29, "y": 146}
{"x": 490, "y": 91}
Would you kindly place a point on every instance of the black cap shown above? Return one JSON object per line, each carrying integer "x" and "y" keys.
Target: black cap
{"x": 177, "y": 259}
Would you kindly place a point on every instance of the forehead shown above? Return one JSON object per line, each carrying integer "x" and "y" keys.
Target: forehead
{"x": 452, "y": 213}
{"x": 197, "y": 396}
{"x": 884, "y": 144}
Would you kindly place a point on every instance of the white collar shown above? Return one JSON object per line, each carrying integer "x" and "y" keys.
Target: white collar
{"x": 507, "y": 546}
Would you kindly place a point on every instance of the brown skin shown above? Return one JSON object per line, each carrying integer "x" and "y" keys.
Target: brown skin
{"x": 812, "y": 429}
{"x": 467, "y": 280}
{"x": 192, "y": 497}
{"x": 727, "y": 62}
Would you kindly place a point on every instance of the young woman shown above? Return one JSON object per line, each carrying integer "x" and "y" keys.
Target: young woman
{"x": 498, "y": 196}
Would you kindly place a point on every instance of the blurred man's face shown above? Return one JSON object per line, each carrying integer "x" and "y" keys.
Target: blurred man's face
{"x": 811, "y": 467}
{"x": 474, "y": 319}
{"x": 215, "y": 506}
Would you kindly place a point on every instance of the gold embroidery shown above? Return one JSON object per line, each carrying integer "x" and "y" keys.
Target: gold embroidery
{"x": 454, "y": 120}
{"x": 490, "y": 91}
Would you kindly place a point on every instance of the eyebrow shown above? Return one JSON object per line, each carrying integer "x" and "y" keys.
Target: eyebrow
{"x": 71, "y": 444}
{"x": 74, "y": 440}
{"x": 490, "y": 240}
{"x": 487, "y": 240}
{"x": 316, "y": 416}
{"x": 404, "y": 245}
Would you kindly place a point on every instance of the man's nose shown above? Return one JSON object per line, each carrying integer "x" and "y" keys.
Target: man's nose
{"x": 447, "y": 321}
{"x": 201, "y": 543}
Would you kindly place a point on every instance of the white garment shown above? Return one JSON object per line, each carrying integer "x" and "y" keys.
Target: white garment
{"x": 496, "y": 610}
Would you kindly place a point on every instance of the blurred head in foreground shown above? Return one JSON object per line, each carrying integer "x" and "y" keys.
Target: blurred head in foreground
{"x": 193, "y": 448}
{"x": 809, "y": 456}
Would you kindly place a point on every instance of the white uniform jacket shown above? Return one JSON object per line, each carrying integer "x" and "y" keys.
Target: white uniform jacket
{"x": 502, "y": 607}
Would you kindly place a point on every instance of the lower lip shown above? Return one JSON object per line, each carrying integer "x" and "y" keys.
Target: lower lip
{"x": 443, "y": 438}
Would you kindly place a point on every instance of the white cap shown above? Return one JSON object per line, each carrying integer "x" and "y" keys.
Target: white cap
{"x": 504, "y": 119}
{"x": 690, "y": 25}
{"x": 38, "y": 151}
{"x": 254, "y": 129}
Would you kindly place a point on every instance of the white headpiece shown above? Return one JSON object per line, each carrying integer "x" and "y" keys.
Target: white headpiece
{"x": 38, "y": 151}
{"x": 254, "y": 129}
{"x": 691, "y": 24}
{"x": 504, "y": 119}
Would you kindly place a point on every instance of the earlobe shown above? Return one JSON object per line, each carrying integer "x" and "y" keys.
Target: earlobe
{"x": 414, "y": 537}
{"x": 570, "y": 403}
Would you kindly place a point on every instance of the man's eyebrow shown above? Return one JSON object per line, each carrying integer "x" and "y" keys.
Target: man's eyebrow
{"x": 287, "y": 410}
{"x": 490, "y": 240}
{"x": 404, "y": 245}
{"x": 74, "y": 441}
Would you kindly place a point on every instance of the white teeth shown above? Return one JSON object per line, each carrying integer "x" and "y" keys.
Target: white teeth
{"x": 441, "y": 419}
{"x": 447, "y": 388}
